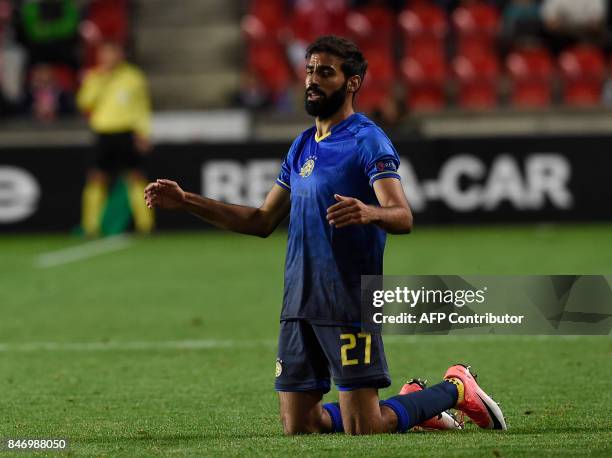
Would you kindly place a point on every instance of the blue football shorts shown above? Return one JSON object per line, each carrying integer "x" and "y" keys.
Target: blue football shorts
{"x": 310, "y": 354}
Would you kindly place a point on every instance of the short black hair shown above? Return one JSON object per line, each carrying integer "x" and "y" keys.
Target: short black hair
{"x": 354, "y": 62}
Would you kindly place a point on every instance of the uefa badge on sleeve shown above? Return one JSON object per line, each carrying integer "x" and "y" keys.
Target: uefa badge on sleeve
{"x": 388, "y": 166}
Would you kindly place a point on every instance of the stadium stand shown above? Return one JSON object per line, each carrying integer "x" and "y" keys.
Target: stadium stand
{"x": 424, "y": 55}
{"x": 468, "y": 54}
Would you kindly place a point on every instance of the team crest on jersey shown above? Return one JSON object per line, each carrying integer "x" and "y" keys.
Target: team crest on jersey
{"x": 279, "y": 367}
{"x": 308, "y": 166}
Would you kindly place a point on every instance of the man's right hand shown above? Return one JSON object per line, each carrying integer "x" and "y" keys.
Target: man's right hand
{"x": 164, "y": 194}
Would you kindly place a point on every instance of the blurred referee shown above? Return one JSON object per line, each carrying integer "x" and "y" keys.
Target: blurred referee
{"x": 115, "y": 98}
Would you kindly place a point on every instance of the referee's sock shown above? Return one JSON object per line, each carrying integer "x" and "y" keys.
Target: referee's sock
{"x": 92, "y": 202}
{"x": 414, "y": 408}
{"x": 144, "y": 218}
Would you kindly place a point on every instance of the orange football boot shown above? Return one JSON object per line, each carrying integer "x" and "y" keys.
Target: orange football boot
{"x": 473, "y": 401}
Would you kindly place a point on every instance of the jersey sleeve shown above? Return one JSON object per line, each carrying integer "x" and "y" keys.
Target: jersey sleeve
{"x": 378, "y": 156}
{"x": 284, "y": 177}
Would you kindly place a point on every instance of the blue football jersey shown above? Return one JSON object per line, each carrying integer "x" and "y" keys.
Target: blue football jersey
{"x": 323, "y": 266}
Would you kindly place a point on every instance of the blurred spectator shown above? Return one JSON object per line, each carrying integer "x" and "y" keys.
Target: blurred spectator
{"x": 568, "y": 21}
{"x": 49, "y": 31}
{"x": 115, "y": 96}
{"x": 253, "y": 93}
{"x": 606, "y": 95}
{"x": 12, "y": 62}
{"x": 5, "y": 14}
{"x": 521, "y": 18}
{"x": 5, "y": 17}
{"x": 389, "y": 113}
{"x": 45, "y": 98}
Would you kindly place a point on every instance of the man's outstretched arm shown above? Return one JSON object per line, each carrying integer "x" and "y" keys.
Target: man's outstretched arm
{"x": 262, "y": 221}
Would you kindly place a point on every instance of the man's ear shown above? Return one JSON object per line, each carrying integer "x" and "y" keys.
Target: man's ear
{"x": 354, "y": 83}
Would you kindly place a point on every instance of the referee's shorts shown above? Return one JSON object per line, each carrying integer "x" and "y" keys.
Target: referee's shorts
{"x": 117, "y": 152}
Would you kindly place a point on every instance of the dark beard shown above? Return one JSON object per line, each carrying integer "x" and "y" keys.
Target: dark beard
{"x": 325, "y": 107}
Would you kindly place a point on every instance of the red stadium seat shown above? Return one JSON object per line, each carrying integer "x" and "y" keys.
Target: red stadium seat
{"x": 477, "y": 25}
{"x": 476, "y": 44}
{"x": 531, "y": 94}
{"x": 111, "y": 19}
{"x": 381, "y": 67}
{"x": 372, "y": 97}
{"x": 476, "y": 67}
{"x": 425, "y": 73}
{"x": 269, "y": 63}
{"x": 582, "y": 93}
{"x": 379, "y": 81}
{"x": 531, "y": 71}
{"x": 371, "y": 25}
{"x": 426, "y": 97}
{"x": 530, "y": 63}
{"x": 266, "y": 20}
{"x": 313, "y": 18}
{"x": 422, "y": 67}
{"x": 583, "y": 70}
{"x": 477, "y": 76}
{"x": 582, "y": 61}
{"x": 422, "y": 24}
{"x": 479, "y": 18}
{"x": 424, "y": 43}
{"x": 478, "y": 95}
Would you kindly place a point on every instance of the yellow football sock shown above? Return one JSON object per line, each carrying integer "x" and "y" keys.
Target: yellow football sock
{"x": 93, "y": 198}
{"x": 460, "y": 389}
{"x": 144, "y": 218}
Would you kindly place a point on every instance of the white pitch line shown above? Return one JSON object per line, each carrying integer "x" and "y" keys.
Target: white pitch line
{"x": 83, "y": 251}
{"x": 130, "y": 346}
{"x": 217, "y": 344}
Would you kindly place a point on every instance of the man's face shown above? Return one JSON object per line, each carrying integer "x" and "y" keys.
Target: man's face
{"x": 326, "y": 85}
{"x": 109, "y": 56}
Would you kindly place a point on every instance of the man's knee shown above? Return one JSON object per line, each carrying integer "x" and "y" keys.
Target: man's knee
{"x": 356, "y": 426}
{"x": 361, "y": 412}
{"x": 300, "y": 413}
{"x": 304, "y": 425}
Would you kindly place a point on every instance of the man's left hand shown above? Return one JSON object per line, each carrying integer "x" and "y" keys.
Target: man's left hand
{"x": 350, "y": 211}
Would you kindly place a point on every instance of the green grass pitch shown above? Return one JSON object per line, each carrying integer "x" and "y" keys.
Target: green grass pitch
{"x": 167, "y": 347}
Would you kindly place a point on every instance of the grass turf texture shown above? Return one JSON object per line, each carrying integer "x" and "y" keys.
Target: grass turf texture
{"x": 226, "y": 290}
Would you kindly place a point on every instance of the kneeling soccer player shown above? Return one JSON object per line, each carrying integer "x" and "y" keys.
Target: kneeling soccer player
{"x": 339, "y": 185}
